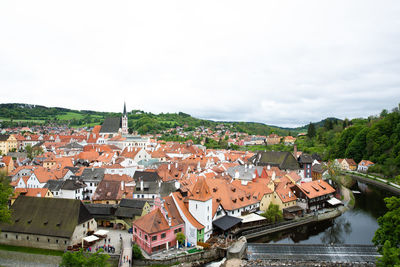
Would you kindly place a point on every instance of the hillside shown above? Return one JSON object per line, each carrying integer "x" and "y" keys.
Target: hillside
{"x": 376, "y": 138}
{"x": 143, "y": 122}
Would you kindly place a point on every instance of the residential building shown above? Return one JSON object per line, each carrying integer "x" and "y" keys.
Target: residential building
{"x": 49, "y": 223}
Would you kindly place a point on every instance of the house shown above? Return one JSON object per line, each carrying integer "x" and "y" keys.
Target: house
{"x": 31, "y": 192}
{"x": 136, "y": 154}
{"x": 317, "y": 171}
{"x": 200, "y": 205}
{"x": 7, "y": 143}
{"x": 112, "y": 192}
{"x": 281, "y": 159}
{"x": 49, "y": 223}
{"x": 289, "y": 140}
{"x": 72, "y": 189}
{"x": 346, "y": 164}
{"x": 194, "y": 231}
{"x": 364, "y": 165}
{"x": 258, "y": 188}
{"x": 305, "y": 162}
{"x": 39, "y": 178}
{"x": 313, "y": 195}
{"x": 91, "y": 177}
{"x": 8, "y": 164}
{"x": 273, "y": 139}
{"x": 131, "y": 209}
{"x": 156, "y": 230}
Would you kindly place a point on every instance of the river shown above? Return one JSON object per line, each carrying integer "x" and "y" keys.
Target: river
{"x": 355, "y": 226}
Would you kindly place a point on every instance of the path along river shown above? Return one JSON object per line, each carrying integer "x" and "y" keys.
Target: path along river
{"x": 355, "y": 226}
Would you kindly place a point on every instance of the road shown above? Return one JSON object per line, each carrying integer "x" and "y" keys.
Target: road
{"x": 328, "y": 253}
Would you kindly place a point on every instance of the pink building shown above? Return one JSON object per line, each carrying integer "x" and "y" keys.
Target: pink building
{"x": 157, "y": 230}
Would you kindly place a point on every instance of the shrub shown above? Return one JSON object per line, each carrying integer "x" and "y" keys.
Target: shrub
{"x": 136, "y": 252}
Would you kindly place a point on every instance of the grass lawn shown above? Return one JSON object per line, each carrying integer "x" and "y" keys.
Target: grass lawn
{"x": 70, "y": 116}
{"x": 32, "y": 250}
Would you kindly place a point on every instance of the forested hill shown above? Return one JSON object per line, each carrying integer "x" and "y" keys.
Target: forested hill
{"x": 376, "y": 138}
{"x": 143, "y": 122}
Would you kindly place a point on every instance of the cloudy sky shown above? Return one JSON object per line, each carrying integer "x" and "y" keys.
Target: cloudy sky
{"x": 283, "y": 63}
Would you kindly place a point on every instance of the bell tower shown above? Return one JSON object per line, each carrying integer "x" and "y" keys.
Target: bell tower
{"x": 124, "y": 121}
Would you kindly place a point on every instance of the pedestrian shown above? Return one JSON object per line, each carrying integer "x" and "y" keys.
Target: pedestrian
{"x": 129, "y": 262}
{"x": 109, "y": 240}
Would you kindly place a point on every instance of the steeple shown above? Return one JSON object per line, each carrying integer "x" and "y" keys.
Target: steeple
{"x": 124, "y": 108}
{"x": 124, "y": 121}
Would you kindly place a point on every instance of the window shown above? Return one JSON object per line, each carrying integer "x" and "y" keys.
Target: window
{"x": 57, "y": 241}
{"x": 27, "y": 237}
{"x": 16, "y": 236}
{"x": 5, "y": 236}
{"x": 154, "y": 238}
{"x": 37, "y": 239}
{"x": 135, "y": 229}
{"x": 163, "y": 235}
{"x": 48, "y": 240}
{"x": 65, "y": 242}
{"x": 145, "y": 237}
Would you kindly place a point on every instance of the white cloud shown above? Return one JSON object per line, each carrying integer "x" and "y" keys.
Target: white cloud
{"x": 284, "y": 63}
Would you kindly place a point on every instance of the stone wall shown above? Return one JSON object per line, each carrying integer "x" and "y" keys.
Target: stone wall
{"x": 37, "y": 241}
{"x": 200, "y": 257}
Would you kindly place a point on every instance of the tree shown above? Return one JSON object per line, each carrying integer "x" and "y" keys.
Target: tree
{"x": 136, "y": 252}
{"x": 311, "y": 130}
{"x": 273, "y": 214}
{"x": 84, "y": 259}
{"x": 387, "y": 236}
{"x": 390, "y": 256}
{"x": 180, "y": 237}
{"x": 5, "y": 193}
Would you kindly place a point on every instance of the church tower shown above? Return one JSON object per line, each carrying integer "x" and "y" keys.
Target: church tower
{"x": 124, "y": 121}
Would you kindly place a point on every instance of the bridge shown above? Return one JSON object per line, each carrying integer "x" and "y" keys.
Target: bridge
{"x": 319, "y": 253}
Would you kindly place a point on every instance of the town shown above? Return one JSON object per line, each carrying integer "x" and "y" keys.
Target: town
{"x": 73, "y": 187}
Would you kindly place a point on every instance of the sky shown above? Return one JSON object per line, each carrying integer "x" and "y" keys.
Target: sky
{"x": 283, "y": 63}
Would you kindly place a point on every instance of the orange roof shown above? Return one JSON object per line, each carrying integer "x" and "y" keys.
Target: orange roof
{"x": 200, "y": 191}
{"x": 43, "y": 175}
{"x": 257, "y": 188}
{"x": 153, "y": 222}
{"x": 117, "y": 177}
{"x": 316, "y": 188}
{"x": 130, "y": 152}
{"x": 173, "y": 212}
{"x": 284, "y": 191}
{"x": 365, "y": 163}
{"x": 179, "y": 199}
{"x": 89, "y": 156}
{"x": 30, "y": 192}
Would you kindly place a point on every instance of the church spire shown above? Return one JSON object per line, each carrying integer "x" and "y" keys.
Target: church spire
{"x": 124, "y": 108}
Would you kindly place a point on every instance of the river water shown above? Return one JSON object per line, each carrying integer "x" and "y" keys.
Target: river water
{"x": 355, "y": 226}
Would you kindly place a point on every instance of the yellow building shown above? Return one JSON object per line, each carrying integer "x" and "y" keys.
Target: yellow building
{"x": 7, "y": 143}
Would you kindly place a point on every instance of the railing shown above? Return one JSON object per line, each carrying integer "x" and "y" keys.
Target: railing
{"x": 276, "y": 225}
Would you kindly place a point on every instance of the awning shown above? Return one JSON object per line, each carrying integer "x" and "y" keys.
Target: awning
{"x": 252, "y": 217}
{"x": 101, "y": 233}
{"x": 334, "y": 201}
{"x": 91, "y": 238}
{"x": 226, "y": 222}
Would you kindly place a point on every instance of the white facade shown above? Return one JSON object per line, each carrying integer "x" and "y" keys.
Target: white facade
{"x": 202, "y": 212}
{"x": 72, "y": 194}
{"x": 190, "y": 230}
{"x": 33, "y": 182}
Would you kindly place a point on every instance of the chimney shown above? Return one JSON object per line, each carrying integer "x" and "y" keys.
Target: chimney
{"x": 254, "y": 175}
{"x": 169, "y": 167}
{"x": 290, "y": 194}
{"x": 122, "y": 185}
{"x": 39, "y": 194}
{"x": 273, "y": 176}
{"x": 169, "y": 221}
{"x": 141, "y": 185}
{"x": 268, "y": 167}
{"x": 176, "y": 165}
{"x": 295, "y": 151}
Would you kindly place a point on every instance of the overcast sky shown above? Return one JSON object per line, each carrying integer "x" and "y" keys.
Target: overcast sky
{"x": 282, "y": 63}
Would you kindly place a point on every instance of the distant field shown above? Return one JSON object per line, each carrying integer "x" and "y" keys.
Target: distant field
{"x": 70, "y": 116}
{"x": 24, "y": 120}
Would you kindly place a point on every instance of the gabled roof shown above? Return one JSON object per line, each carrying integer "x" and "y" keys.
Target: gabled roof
{"x": 111, "y": 125}
{"x": 316, "y": 188}
{"x": 46, "y": 216}
{"x": 146, "y": 176}
{"x": 92, "y": 174}
{"x": 200, "y": 190}
{"x": 152, "y": 222}
{"x": 179, "y": 200}
{"x": 173, "y": 212}
{"x": 54, "y": 185}
{"x": 132, "y": 203}
{"x": 282, "y": 159}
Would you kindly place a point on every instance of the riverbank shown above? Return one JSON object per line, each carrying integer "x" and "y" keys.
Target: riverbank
{"x": 14, "y": 258}
{"x": 376, "y": 181}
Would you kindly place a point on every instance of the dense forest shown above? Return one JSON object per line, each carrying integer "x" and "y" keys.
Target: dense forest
{"x": 376, "y": 138}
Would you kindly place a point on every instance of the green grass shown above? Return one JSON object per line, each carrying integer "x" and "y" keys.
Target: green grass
{"x": 70, "y": 116}
{"x": 32, "y": 250}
